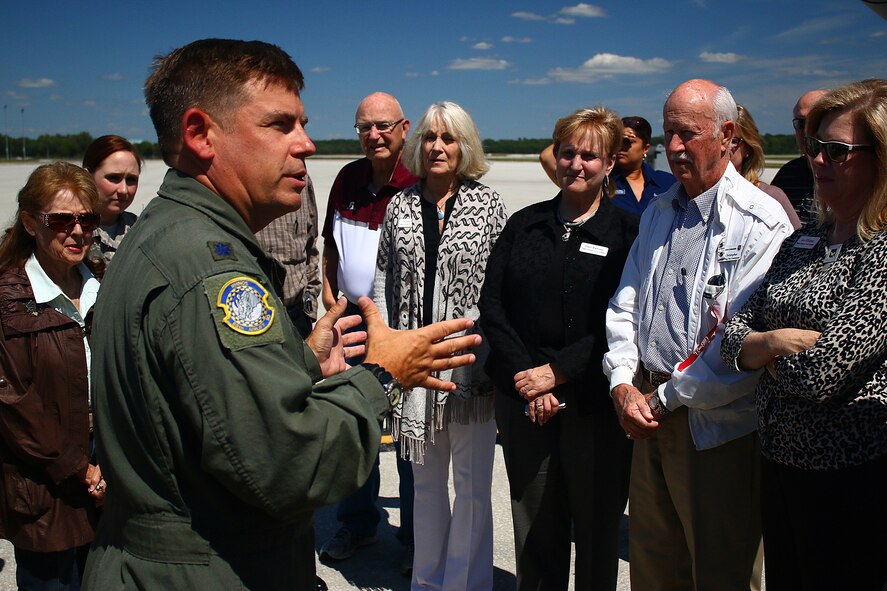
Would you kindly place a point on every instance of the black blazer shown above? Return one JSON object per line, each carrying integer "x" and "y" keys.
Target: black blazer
{"x": 545, "y": 300}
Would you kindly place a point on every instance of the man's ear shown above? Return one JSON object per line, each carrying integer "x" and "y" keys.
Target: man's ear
{"x": 728, "y": 130}
{"x": 196, "y": 125}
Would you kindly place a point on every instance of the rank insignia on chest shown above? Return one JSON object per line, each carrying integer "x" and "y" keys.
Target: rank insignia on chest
{"x": 245, "y": 303}
{"x": 221, "y": 251}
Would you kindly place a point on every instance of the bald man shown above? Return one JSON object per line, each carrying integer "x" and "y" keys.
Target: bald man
{"x": 702, "y": 249}
{"x": 795, "y": 177}
{"x": 355, "y": 212}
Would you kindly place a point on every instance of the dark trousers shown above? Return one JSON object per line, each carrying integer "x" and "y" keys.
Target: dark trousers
{"x": 568, "y": 479}
{"x": 50, "y": 571}
{"x": 825, "y": 529}
{"x": 360, "y": 511}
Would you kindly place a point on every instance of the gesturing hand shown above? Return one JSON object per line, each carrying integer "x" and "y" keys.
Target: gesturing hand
{"x": 411, "y": 355}
{"x": 329, "y": 342}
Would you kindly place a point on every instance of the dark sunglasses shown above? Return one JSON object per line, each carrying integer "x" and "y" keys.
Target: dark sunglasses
{"x": 65, "y": 222}
{"x": 834, "y": 151}
{"x": 798, "y": 123}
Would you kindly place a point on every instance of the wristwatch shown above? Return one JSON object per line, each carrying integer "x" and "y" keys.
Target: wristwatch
{"x": 393, "y": 389}
{"x": 656, "y": 407}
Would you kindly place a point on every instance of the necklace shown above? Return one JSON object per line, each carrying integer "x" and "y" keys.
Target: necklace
{"x": 570, "y": 226}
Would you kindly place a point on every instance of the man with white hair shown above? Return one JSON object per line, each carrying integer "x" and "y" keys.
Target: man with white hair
{"x": 703, "y": 247}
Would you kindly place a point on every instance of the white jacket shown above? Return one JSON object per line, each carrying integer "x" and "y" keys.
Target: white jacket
{"x": 743, "y": 237}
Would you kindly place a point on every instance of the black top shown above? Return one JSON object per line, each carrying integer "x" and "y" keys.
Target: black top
{"x": 432, "y": 243}
{"x": 545, "y": 300}
{"x": 796, "y": 179}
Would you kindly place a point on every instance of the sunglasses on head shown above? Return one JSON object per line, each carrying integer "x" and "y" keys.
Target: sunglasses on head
{"x": 834, "y": 151}
{"x": 65, "y": 222}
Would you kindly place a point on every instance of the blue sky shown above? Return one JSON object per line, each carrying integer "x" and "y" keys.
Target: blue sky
{"x": 516, "y": 66}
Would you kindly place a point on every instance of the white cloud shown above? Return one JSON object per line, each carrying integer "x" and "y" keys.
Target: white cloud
{"x": 879, "y": 33}
{"x": 88, "y": 103}
{"x": 36, "y": 83}
{"x": 531, "y": 81}
{"x": 585, "y": 10}
{"x": 464, "y": 39}
{"x": 562, "y": 20}
{"x": 605, "y": 65}
{"x": 435, "y": 73}
{"x": 478, "y": 63}
{"x": 528, "y": 16}
{"x": 482, "y": 45}
{"x": 510, "y": 39}
{"x": 320, "y": 69}
{"x": 816, "y": 26}
{"x": 719, "y": 58}
{"x": 16, "y": 96}
{"x": 113, "y": 77}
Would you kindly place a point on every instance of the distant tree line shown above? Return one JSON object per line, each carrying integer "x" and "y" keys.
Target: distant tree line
{"x": 72, "y": 146}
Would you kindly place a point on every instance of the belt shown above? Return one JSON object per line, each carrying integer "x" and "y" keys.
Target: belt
{"x": 654, "y": 378}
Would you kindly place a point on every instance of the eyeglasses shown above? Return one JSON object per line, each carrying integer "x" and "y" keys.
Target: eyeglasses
{"x": 834, "y": 151}
{"x": 798, "y": 123}
{"x": 65, "y": 222}
{"x": 381, "y": 126}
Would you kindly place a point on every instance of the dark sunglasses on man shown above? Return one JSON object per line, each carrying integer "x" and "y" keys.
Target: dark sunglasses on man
{"x": 835, "y": 151}
{"x": 798, "y": 123}
{"x": 65, "y": 222}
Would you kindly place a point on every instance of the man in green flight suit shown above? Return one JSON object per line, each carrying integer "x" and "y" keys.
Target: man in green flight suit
{"x": 219, "y": 430}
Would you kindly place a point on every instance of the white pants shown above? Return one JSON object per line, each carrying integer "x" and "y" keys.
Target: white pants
{"x": 454, "y": 550}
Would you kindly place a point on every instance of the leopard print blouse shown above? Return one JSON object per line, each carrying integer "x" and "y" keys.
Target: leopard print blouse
{"x": 827, "y": 409}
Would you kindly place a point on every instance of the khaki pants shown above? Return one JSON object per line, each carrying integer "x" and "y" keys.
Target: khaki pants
{"x": 695, "y": 516}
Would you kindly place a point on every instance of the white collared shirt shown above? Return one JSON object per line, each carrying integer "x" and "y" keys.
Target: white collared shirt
{"x": 47, "y": 292}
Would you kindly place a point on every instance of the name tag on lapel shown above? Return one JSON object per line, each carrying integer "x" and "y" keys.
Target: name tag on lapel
{"x": 806, "y": 242}
{"x": 404, "y": 223}
{"x": 595, "y": 249}
{"x": 728, "y": 254}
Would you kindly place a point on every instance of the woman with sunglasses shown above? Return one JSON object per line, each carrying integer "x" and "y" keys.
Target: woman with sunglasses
{"x": 816, "y": 325}
{"x": 50, "y": 485}
{"x": 747, "y": 157}
{"x": 115, "y": 165}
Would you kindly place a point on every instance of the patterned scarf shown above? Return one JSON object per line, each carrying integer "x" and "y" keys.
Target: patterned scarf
{"x": 475, "y": 223}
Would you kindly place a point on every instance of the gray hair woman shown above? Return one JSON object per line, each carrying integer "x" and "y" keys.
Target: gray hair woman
{"x": 432, "y": 257}
{"x": 815, "y": 325}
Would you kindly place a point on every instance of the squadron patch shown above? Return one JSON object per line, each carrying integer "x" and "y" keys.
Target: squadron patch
{"x": 245, "y": 303}
{"x": 244, "y": 311}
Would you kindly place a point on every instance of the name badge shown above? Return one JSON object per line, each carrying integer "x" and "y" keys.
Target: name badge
{"x": 595, "y": 249}
{"x": 404, "y": 223}
{"x": 620, "y": 192}
{"x": 728, "y": 254}
{"x": 806, "y": 242}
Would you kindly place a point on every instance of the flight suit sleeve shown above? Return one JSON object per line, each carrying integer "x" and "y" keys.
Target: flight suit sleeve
{"x": 267, "y": 433}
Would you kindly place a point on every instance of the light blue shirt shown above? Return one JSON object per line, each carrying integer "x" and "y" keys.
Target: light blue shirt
{"x": 47, "y": 292}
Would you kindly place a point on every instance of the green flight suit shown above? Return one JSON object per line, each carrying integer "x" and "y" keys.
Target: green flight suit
{"x": 214, "y": 433}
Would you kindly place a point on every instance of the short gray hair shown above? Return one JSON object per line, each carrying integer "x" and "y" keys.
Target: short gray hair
{"x": 472, "y": 162}
{"x": 724, "y": 108}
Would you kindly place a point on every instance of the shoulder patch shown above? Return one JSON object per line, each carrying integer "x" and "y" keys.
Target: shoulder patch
{"x": 221, "y": 251}
{"x": 244, "y": 311}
